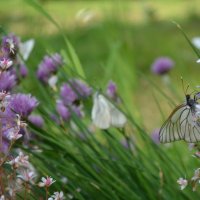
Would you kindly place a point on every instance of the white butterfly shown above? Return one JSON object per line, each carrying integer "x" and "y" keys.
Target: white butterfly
{"x": 25, "y": 48}
{"x": 105, "y": 114}
{"x": 183, "y": 123}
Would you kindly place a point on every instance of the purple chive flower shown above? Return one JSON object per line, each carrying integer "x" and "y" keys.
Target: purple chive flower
{"x": 23, "y": 104}
{"x": 80, "y": 88}
{"x": 57, "y": 59}
{"x": 23, "y": 70}
{"x": 111, "y": 89}
{"x": 67, "y": 94}
{"x": 155, "y": 136}
{"x": 10, "y": 44}
{"x": 77, "y": 110}
{"x": 124, "y": 143}
{"x": 162, "y": 65}
{"x": 112, "y": 92}
{"x": 49, "y": 66}
{"x": 37, "y": 120}
{"x": 62, "y": 110}
{"x": 7, "y": 81}
{"x": 74, "y": 90}
{"x": 5, "y": 146}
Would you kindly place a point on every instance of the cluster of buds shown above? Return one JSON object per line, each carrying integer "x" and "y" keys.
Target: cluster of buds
{"x": 13, "y": 53}
{"x": 15, "y": 108}
{"x": 72, "y": 95}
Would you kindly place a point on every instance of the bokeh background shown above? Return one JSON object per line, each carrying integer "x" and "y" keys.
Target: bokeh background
{"x": 114, "y": 40}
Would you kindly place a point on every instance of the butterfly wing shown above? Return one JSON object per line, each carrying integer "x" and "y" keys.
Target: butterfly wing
{"x": 101, "y": 112}
{"x": 25, "y": 48}
{"x": 171, "y": 129}
{"x": 118, "y": 119}
{"x": 182, "y": 124}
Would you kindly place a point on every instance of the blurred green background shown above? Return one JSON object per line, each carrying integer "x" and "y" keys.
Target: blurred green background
{"x": 117, "y": 40}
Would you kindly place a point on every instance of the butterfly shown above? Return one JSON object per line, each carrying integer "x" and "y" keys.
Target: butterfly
{"x": 105, "y": 114}
{"x": 25, "y": 48}
{"x": 183, "y": 123}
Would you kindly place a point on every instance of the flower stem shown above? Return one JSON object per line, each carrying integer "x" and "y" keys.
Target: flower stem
{"x": 25, "y": 192}
{"x": 46, "y": 189}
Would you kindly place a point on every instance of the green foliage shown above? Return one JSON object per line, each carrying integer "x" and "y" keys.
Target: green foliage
{"x": 98, "y": 163}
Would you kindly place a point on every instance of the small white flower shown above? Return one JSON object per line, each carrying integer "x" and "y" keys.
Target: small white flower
{"x": 70, "y": 196}
{"x": 196, "y": 175}
{"x": 105, "y": 114}
{"x": 21, "y": 160}
{"x": 52, "y": 81}
{"x": 14, "y": 134}
{"x": 5, "y": 63}
{"x": 78, "y": 189}
{"x": 2, "y": 197}
{"x": 26, "y": 175}
{"x": 197, "y": 154}
{"x": 182, "y": 182}
{"x": 46, "y": 182}
{"x": 64, "y": 179}
{"x": 57, "y": 196}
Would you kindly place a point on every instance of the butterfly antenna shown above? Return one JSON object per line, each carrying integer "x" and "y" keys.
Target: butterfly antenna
{"x": 185, "y": 91}
{"x": 187, "y": 88}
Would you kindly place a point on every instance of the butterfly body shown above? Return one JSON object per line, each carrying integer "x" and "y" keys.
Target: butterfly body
{"x": 183, "y": 123}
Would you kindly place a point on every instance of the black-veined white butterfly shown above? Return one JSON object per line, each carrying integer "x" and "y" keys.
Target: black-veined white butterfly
{"x": 183, "y": 123}
{"x": 25, "y": 48}
{"x": 105, "y": 114}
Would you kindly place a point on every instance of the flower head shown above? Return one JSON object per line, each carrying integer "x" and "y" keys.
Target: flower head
{"x": 2, "y": 197}
{"x": 49, "y": 66}
{"x": 155, "y": 135}
{"x": 182, "y": 182}
{"x": 7, "y": 81}
{"x": 162, "y": 65}
{"x": 112, "y": 92}
{"x": 37, "y": 120}
{"x": 23, "y": 70}
{"x": 13, "y": 134}
{"x": 20, "y": 160}
{"x": 62, "y": 110}
{"x": 46, "y": 182}
{"x": 57, "y": 196}
{"x": 23, "y": 104}
{"x": 67, "y": 94}
{"x": 196, "y": 175}
{"x": 5, "y": 146}
{"x": 80, "y": 88}
{"x": 5, "y": 63}
{"x": 10, "y": 43}
{"x": 26, "y": 175}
